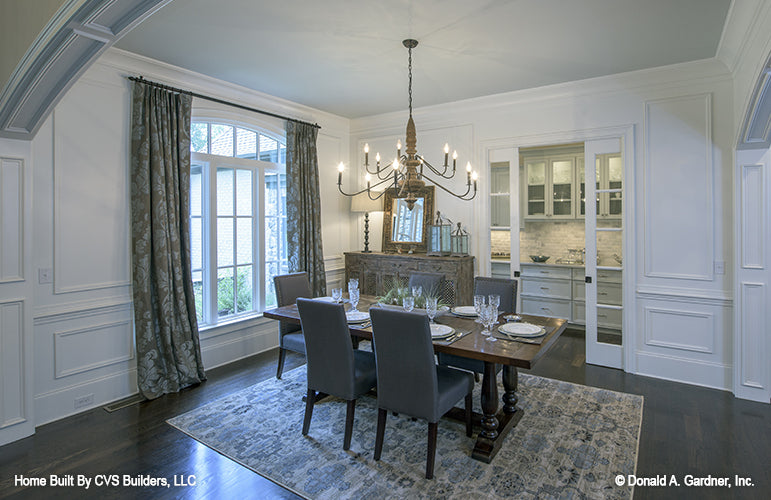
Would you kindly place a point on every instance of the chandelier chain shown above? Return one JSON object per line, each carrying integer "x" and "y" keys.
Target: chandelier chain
{"x": 410, "y": 75}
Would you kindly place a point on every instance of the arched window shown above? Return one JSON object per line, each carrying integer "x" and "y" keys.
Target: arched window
{"x": 238, "y": 219}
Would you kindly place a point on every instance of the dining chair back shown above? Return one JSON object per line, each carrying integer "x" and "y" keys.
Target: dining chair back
{"x": 431, "y": 283}
{"x": 334, "y": 367}
{"x": 409, "y": 381}
{"x": 290, "y": 287}
{"x": 505, "y": 288}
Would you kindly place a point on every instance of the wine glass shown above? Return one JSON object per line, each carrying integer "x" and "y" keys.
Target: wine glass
{"x": 353, "y": 283}
{"x": 337, "y": 295}
{"x": 479, "y": 301}
{"x": 484, "y": 312}
{"x": 417, "y": 291}
{"x": 494, "y": 300}
{"x": 490, "y": 320}
{"x": 408, "y": 303}
{"x": 353, "y": 296}
{"x": 431, "y": 306}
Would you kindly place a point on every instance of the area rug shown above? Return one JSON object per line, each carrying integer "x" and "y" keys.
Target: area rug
{"x": 572, "y": 442}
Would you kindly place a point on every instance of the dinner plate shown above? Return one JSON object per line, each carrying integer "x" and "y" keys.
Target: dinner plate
{"x": 441, "y": 331}
{"x": 324, "y": 299}
{"x": 357, "y": 316}
{"x": 464, "y": 311}
{"x": 522, "y": 329}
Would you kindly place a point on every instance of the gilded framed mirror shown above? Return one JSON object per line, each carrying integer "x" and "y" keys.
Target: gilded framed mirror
{"x": 405, "y": 229}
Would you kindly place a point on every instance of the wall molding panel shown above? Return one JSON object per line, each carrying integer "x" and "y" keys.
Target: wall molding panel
{"x": 679, "y": 164}
{"x": 96, "y": 346}
{"x": 12, "y": 219}
{"x": 753, "y": 217}
{"x": 91, "y": 152}
{"x": 45, "y": 315}
{"x": 754, "y": 331}
{"x": 12, "y": 369}
{"x": 679, "y": 329}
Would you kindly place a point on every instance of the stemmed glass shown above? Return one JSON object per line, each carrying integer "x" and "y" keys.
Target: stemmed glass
{"x": 494, "y": 300}
{"x": 431, "y": 306}
{"x": 479, "y": 301}
{"x": 408, "y": 303}
{"x": 490, "y": 319}
{"x": 484, "y": 312}
{"x": 353, "y": 283}
{"x": 417, "y": 291}
{"x": 353, "y": 296}
{"x": 337, "y": 295}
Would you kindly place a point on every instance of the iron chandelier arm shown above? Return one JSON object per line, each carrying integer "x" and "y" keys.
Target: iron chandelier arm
{"x": 442, "y": 173}
{"x": 391, "y": 179}
{"x": 464, "y": 196}
{"x": 387, "y": 169}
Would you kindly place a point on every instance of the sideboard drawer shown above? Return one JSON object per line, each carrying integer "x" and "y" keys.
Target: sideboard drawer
{"x": 559, "y": 289}
{"x": 544, "y": 271}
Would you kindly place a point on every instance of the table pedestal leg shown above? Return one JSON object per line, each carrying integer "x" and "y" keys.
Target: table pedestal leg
{"x": 495, "y": 428}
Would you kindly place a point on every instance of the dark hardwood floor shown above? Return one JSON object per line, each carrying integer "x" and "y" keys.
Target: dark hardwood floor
{"x": 686, "y": 430}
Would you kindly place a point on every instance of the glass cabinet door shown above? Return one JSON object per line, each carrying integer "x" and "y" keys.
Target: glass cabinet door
{"x": 615, "y": 181}
{"x": 562, "y": 188}
{"x": 535, "y": 174}
{"x": 499, "y": 194}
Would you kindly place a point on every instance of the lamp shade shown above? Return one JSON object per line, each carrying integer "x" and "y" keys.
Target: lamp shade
{"x": 362, "y": 203}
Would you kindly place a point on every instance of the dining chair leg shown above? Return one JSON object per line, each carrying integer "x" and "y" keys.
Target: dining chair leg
{"x": 281, "y": 358}
{"x": 349, "y": 424}
{"x": 469, "y": 406}
{"x": 381, "y": 422}
{"x": 432, "y": 428}
{"x": 310, "y": 399}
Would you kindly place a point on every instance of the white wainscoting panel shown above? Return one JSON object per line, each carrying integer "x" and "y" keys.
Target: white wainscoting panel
{"x": 753, "y": 335}
{"x": 12, "y": 369}
{"x": 680, "y": 329}
{"x": 753, "y": 217}
{"x": 96, "y": 346}
{"x": 91, "y": 186}
{"x": 679, "y": 234}
{"x": 11, "y": 219}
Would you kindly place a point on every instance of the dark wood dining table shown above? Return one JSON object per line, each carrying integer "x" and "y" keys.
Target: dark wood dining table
{"x": 495, "y": 424}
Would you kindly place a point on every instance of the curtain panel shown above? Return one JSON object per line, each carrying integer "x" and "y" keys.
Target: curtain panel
{"x": 168, "y": 346}
{"x": 303, "y": 205}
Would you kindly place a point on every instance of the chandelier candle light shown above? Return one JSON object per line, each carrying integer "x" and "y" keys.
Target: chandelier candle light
{"x": 408, "y": 172}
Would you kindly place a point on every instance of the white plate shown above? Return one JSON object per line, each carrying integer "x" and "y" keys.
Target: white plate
{"x": 324, "y": 299}
{"x": 464, "y": 311}
{"x": 522, "y": 329}
{"x": 441, "y": 331}
{"x": 357, "y": 316}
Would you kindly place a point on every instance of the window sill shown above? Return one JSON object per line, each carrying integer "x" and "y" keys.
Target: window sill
{"x": 234, "y": 325}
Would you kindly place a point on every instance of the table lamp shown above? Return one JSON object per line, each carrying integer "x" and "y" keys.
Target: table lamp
{"x": 362, "y": 203}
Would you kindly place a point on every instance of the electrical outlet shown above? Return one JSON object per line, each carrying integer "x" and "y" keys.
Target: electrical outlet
{"x": 719, "y": 267}
{"x": 84, "y": 401}
{"x": 45, "y": 275}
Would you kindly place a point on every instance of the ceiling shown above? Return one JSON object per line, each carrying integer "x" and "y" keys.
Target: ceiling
{"x": 346, "y": 56}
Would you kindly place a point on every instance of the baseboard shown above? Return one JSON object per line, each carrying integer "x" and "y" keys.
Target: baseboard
{"x": 239, "y": 344}
{"x": 688, "y": 371}
{"x": 59, "y": 404}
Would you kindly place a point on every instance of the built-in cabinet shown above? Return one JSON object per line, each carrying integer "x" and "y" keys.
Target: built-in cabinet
{"x": 553, "y": 185}
{"x": 500, "y": 217}
{"x": 559, "y": 291}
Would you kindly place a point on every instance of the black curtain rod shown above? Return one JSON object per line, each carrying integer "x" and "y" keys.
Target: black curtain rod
{"x": 219, "y": 101}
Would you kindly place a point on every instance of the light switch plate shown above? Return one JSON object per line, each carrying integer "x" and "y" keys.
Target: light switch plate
{"x": 45, "y": 275}
{"x": 719, "y": 267}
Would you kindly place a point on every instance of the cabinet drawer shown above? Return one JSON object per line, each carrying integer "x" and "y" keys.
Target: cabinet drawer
{"x": 607, "y": 276}
{"x": 546, "y": 271}
{"x": 553, "y": 308}
{"x": 608, "y": 318}
{"x": 607, "y": 293}
{"x": 558, "y": 289}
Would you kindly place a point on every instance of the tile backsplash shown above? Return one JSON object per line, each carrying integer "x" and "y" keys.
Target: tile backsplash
{"x": 553, "y": 238}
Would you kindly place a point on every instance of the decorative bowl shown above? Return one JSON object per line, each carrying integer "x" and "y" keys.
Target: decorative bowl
{"x": 539, "y": 258}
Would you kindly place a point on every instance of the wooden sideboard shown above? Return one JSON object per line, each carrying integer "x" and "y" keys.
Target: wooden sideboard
{"x": 376, "y": 271}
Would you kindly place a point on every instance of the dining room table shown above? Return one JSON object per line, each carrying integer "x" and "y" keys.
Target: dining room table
{"x": 467, "y": 341}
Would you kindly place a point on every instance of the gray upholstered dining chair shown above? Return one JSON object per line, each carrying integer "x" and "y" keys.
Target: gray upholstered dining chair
{"x": 289, "y": 287}
{"x": 334, "y": 367}
{"x": 408, "y": 379}
{"x": 431, "y": 282}
{"x": 507, "y": 289}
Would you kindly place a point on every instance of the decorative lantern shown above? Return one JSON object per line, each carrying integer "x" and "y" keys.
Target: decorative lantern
{"x": 459, "y": 242}
{"x": 439, "y": 236}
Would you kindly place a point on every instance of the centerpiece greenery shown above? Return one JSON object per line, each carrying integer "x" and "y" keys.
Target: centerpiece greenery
{"x": 396, "y": 292}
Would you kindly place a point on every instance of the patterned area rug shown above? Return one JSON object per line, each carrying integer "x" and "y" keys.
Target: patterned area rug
{"x": 571, "y": 443}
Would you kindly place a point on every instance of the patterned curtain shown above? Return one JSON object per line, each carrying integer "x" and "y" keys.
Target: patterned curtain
{"x": 303, "y": 205}
{"x": 168, "y": 347}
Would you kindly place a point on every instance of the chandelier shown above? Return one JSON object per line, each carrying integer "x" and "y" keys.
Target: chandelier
{"x": 408, "y": 172}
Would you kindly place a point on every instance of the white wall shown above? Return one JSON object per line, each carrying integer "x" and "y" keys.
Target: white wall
{"x": 680, "y": 185}
{"x": 83, "y": 322}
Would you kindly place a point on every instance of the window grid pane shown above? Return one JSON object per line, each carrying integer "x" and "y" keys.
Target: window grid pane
{"x": 246, "y": 144}
{"x": 221, "y": 139}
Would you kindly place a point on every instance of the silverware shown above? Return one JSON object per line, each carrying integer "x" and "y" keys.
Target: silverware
{"x": 457, "y": 336}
